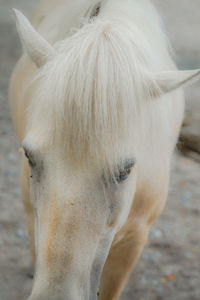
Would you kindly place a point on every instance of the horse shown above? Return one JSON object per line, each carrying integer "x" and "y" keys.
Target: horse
{"x": 97, "y": 105}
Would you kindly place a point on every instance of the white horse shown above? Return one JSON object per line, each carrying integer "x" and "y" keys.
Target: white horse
{"x": 97, "y": 105}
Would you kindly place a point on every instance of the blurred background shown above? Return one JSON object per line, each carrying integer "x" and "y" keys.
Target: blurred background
{"x": 170, "y": 264}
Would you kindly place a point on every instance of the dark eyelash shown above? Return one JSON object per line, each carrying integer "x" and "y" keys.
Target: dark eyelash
{"x": 30, "y": 159}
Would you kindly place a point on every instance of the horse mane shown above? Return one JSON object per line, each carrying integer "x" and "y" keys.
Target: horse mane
{"x": 95, "y": 87}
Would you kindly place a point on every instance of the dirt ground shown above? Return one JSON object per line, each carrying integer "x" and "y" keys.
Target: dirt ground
{"x": 170, "y": 264}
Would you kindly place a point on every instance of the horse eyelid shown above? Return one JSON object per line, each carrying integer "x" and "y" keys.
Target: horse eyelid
{"x": 129, "y": 164}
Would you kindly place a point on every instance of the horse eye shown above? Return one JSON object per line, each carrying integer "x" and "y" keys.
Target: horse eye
{"x": 123, "y": 175}
{"x": 120, "y": 174}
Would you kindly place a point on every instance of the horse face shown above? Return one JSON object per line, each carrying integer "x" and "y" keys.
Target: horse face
{"x": 78, "y": 209}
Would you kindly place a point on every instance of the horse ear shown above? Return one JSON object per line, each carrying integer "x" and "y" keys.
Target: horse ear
{"x": 37, "y": 48}
{"x": 171, "y": 80}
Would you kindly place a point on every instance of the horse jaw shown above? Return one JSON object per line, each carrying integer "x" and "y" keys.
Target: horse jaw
{"x": 37, "y": 48}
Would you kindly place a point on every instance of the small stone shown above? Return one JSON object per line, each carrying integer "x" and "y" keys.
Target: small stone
{"x": 189, "y": 255}
{"x": 144, "y": 280}
{"x": 20, "y": 234}
{"x": 155, "y": 233}
{"x": 167, "y": 229}
{"x": 155, "y": 282}
{"x": 156, "y": 257}
{"x": 160, "y": 290}
{"x": 11, "y": 157}
{"x": 187, "y": 195}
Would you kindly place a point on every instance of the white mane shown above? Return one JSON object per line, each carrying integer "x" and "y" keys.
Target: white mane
{"x": 98, "y": 85}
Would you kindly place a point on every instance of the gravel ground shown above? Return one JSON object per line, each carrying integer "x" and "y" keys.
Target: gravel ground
{"x": 170, "y": 265}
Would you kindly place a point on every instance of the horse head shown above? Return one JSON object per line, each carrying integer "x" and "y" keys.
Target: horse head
{"x": 83, "y": 152}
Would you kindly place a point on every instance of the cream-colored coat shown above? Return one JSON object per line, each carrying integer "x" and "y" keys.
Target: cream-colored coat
{"x": 78, "y": 224}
